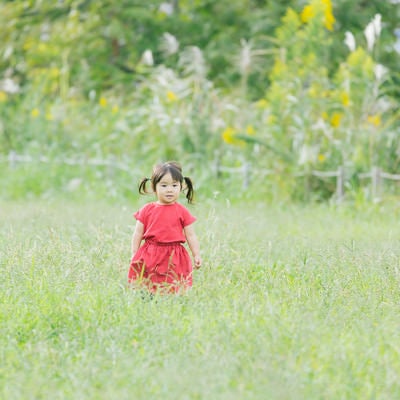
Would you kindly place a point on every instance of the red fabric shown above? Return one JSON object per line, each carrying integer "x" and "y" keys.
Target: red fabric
{"x": 163, "y": 260}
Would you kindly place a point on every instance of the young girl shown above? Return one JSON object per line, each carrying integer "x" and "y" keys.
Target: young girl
{"x": 162, "y": 261}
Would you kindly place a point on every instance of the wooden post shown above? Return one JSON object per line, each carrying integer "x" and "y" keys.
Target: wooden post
{"x": 307, "y": 183}
{"x": 12, "y": 159}
{"x": 111, "y": 167}
{"x": 376, "y": 183}
{"x": 246, "y": 175}
{"x": 340, "y": 184}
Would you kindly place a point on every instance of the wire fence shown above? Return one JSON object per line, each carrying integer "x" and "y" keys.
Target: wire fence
{"x": 14, "y": 159}
{"x": 376, "y": 175}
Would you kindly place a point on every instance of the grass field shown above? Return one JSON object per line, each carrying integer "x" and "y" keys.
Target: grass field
{"x": 291, "y": 303}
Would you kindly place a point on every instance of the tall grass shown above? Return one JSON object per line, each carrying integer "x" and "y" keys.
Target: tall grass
{"x": 291, "y": 303}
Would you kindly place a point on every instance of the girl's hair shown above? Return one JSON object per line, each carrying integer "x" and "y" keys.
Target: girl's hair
{"x": 170, "y": 167}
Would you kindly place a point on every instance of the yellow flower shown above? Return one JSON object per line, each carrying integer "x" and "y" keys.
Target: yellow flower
{"x": 42, "y": 47}
{"x": 262, "y": 103}
{"x": 279, "y": 69}
{"x": 345, "y": 99}
{"x": 3, "y": 96}
{"x": 103, "y": 102}
{"x": 115, "y": 109}
{"x": 307, "y": 14}
{"x": 317, "y": 6}
{"x": 54, "y": 72}
{"x": 321, "y": 158}
{"x": 228, "y": 135}
{"x": 271, "y": 119}
{"x": 325, "y": 116}
{"x": 49, "y": 116}
{"x": 329, "y": 19}
{"x": 361, "y": 63}
{"x": 171, "y": 96}
{"x": 28, "y": 44}
{"x": 35, "y": 113}
{"x": 313, "y": 92}
{"x": 374, "y": 120}
{"x": 250, "y": 130}
{"x": 325, "y": 93}
{"x": 335, "y": 119}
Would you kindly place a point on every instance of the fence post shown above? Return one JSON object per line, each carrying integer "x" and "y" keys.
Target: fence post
{"x": 246, "y": 175}
{"x": 340, "y": 184}
{"x": 12, "y": 159}
{"x": 376, "y": 182}
{"x": 110, "y": 167}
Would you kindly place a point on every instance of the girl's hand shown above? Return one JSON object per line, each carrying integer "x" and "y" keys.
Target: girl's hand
{"x": 197, "y": 262}
{"x": 193, "y": 245}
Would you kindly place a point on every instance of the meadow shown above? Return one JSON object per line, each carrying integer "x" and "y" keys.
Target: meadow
{"x": 293, "y": 302}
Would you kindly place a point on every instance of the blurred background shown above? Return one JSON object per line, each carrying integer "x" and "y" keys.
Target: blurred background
{"x": 258, "y": 99}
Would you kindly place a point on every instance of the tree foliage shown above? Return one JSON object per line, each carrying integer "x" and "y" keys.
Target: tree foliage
{"x": 100, "y": 44}
{"x": 223, "y": 81}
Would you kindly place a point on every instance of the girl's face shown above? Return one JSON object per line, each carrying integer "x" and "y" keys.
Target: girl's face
{"x": 167, "y": 190}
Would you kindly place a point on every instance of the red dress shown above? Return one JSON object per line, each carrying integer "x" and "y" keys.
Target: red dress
{"x": 162, "y": 260}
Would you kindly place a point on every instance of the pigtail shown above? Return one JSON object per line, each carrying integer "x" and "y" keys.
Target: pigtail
{"x": 142, "y": 186}
{"x": 173, "y": 168}
{"x": 190, "y": 190}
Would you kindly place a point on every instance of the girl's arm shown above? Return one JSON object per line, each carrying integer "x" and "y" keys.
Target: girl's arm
{"x": 193, "y": 244}
{"x": 137, "y": 237}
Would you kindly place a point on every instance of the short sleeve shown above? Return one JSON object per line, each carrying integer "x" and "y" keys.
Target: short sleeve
{"x": 186, "y": 217}
{"x": 141, "y": 215}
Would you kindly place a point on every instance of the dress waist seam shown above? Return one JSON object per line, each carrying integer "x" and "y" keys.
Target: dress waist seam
{"x": 154, "y": 242}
